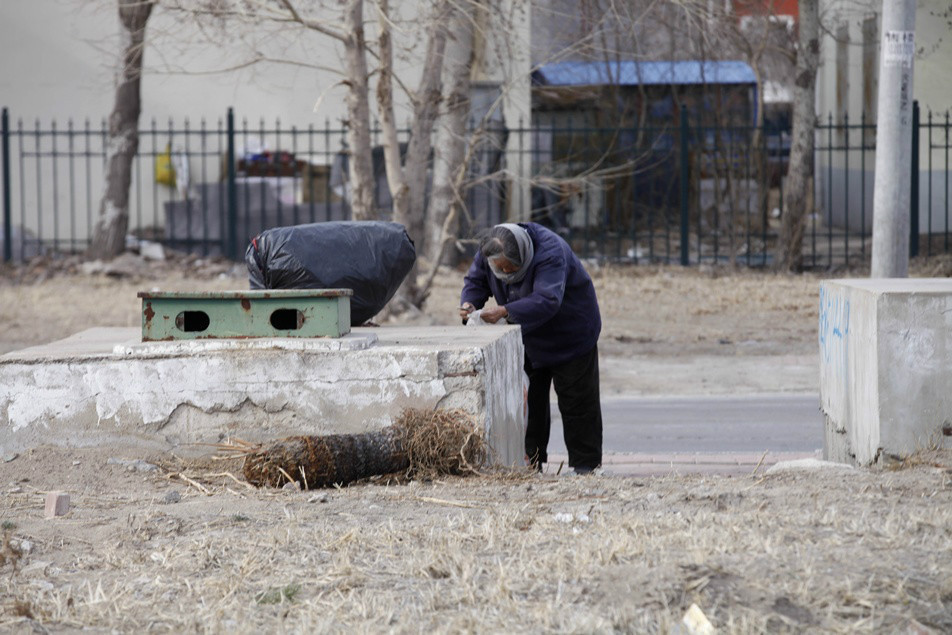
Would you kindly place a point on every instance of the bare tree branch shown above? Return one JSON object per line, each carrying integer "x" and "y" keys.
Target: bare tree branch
{"x": 312, "y": 24}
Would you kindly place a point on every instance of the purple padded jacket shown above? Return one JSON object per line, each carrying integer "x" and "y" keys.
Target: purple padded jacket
{"x": 555, "y": 303}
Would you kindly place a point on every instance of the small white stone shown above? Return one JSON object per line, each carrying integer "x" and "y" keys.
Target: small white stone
{"x": 22, "y": 545}
{"x": 151, "y": 250}
{"x": 136, "y": 465}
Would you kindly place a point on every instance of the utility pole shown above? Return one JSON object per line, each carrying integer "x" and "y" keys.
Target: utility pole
{"x": 894, "y": 142}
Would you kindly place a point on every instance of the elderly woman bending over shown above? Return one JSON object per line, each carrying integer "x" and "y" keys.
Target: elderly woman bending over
{"x": 540, "y": 284}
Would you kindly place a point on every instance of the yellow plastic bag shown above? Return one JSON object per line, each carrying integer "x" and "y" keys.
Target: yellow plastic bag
{"x": 164, "y": 172}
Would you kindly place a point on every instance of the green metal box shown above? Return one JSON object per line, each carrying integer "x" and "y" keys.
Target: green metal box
{"x": 245, "y": 314}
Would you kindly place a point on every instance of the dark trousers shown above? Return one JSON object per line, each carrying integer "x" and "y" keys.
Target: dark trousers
{"x": 576, "y": 386}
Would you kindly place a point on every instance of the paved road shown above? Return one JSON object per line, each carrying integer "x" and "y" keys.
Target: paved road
{"x": 737, "y": 424}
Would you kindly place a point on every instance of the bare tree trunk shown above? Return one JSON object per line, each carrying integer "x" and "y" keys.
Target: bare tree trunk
{"x": 361, "y": 173}
{"x": 109, "y": 237}
{"x": 399, "y": 192}
{"x": 800, "y": 170}
{"x": 407, "y": 179}
{"x": 426, "y": 104}
{"x": 450, "y": 147}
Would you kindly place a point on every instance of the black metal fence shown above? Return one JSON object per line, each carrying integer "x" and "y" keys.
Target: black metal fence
{"x": 688, "y": 192}
{"x": 685, "y": 193}
{"x": 845, "y": 162}
{"x": 183, "y": 193}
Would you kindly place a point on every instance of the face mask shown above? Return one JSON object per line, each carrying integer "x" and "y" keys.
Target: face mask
{"x": 508, "y": 278}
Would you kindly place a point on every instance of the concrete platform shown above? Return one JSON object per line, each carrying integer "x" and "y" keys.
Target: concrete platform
{"x": 885, "y": 367}
{"x": 105, "y": 384}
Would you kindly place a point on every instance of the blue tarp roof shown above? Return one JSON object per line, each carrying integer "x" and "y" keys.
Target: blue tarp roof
{"x": 630, "y": 73}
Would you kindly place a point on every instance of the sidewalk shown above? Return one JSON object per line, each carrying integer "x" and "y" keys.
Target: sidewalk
{"x": 662, "y": 464}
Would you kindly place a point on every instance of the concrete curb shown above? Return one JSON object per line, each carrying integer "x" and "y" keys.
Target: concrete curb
{"x": 663, "y": 464}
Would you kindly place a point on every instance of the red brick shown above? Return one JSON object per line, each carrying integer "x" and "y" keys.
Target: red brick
{"x": 57, "y": 504}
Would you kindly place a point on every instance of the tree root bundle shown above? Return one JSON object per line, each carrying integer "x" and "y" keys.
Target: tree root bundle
{"x": 421, "y": 443}
{"x": 441, "y": 442}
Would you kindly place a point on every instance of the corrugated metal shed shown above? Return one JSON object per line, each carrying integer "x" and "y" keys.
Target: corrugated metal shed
{"x": 630, "y": 73}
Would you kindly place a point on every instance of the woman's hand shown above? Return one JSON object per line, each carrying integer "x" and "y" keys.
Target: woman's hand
{"x": 465, "y": 310}
{"x": 494, "y": 314}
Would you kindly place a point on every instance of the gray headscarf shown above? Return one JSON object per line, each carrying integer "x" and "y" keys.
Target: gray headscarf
{"x": 526, "y": 253}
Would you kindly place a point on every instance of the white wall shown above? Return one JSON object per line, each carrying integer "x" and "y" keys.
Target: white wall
{"x": 932, "y": 83}
{"x": 932, "y": 87}
{"x": 57, "y": 60}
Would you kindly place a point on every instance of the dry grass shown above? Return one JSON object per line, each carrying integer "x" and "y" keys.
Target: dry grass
{"x": 441, "y": 442}
{"x": 10, "y": 553}
{"x": 855, "y": 551}
{"x": 838, "y": 551}
{"x": 673, "y": 311}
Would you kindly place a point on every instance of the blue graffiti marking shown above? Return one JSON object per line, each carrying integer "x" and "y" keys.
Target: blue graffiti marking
{"x": 834, "y": 331}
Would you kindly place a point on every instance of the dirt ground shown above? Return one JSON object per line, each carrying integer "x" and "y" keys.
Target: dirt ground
{"x": 165, "y": 544}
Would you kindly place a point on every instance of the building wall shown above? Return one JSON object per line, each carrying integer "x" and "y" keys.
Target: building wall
{"x": 58, "y": 61}
{"x": 847, "y": 87}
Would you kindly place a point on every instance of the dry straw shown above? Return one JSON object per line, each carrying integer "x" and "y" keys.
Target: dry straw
{"x": 9, "y": 552}
{"x": 440, "y": 442}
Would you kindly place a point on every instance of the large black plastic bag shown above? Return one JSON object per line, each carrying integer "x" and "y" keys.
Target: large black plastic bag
{"x": 370, "y": 257}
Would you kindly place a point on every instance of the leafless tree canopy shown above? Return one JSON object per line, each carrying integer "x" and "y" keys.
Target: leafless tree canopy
{"x": 614, "y": 30}
{"x": 451, "y": 43}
